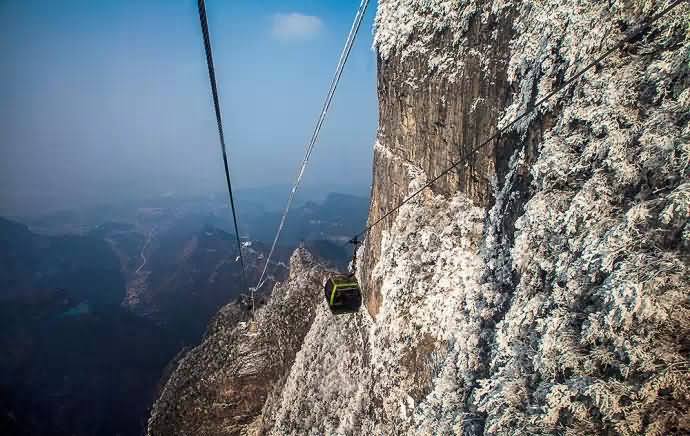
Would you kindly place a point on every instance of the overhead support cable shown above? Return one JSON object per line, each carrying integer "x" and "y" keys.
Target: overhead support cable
{"x": 315, "y": 135}
{"x": 219, "y": 122}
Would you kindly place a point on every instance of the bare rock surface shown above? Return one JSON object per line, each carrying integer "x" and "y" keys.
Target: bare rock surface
{"x": 220, "y": 386}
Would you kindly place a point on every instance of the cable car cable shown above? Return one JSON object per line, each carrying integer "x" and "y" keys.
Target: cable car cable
{"x": 317, "y": 129}
{"x": 219, "y": 122}
{"x": 643, "y": 27}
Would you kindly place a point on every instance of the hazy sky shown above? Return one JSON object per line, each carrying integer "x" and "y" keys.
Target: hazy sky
{"x": 106, "y": 99}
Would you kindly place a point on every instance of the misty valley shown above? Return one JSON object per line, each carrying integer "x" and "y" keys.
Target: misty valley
{"x": 96, "y": 304}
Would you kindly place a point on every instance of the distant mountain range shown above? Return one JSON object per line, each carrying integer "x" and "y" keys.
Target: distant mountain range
{"x": 31, "y": 263}
{"x": 73, "y": 360}
{"x": 252, "y": 203}
{"x": 337, "y": 218}
{"x": 89, "y": 319}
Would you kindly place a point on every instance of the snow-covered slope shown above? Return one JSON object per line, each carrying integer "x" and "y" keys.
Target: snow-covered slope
{"x": 543, "y": 287}
{"x": 404, "y": 370}
{"x": 220, "y": 386}
{"x": 562, "y": 305}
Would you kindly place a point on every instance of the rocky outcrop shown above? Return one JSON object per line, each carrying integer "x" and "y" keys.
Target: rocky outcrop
{"x": 220, "y": 386}
{"x": 442, "y": 75}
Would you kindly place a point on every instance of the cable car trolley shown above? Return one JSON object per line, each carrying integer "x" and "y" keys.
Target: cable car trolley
{"x": 343, "y": 294}
{"x": 342, "y": 291}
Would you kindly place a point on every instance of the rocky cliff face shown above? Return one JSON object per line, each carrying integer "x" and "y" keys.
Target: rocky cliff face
{"x": 441, "y": 83}
{"x": 220, "y": 386}
{"x": 543, "y": 287}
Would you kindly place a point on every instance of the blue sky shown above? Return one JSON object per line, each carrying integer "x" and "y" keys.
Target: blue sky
{"x": 106, "y": 99}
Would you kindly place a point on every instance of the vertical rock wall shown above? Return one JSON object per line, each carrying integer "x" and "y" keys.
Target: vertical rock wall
{"x": 441, "y": 85}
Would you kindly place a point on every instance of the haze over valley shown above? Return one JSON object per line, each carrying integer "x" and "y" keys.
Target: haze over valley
{"x": 110, "y": 295}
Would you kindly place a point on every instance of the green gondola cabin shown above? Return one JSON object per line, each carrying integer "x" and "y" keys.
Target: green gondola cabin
{"x": 343, "y": 294}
